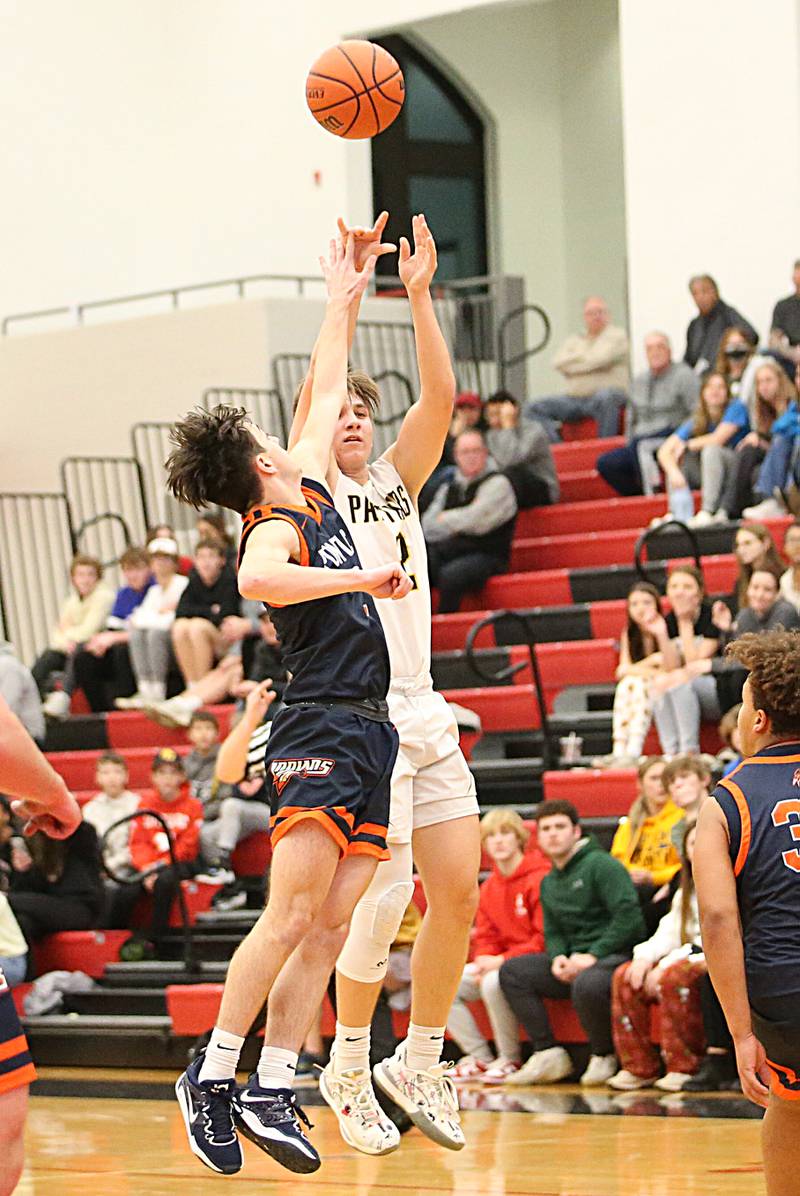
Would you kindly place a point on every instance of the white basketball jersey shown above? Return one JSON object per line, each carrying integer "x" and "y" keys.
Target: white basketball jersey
{"x": 386, "y": 527}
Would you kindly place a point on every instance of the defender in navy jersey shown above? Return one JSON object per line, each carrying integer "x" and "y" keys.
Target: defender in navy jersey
{"x": 747, "y": 871}
{"x": 332, "y": 747}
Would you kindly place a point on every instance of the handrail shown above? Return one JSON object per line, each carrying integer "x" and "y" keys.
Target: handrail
{"x": 503, "y": 361}
{"x": 188, "y": 940}
{"x": 173, "y": 293}
{"x": 94, "y": 520}
{"x": 549, "y": 754}
{"x": 651, "y": 531}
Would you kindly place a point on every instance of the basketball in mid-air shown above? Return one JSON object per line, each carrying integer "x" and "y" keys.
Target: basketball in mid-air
{"x": 355, "y": 89}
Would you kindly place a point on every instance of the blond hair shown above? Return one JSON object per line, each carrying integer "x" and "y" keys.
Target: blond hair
{"x": 502, "y": 818}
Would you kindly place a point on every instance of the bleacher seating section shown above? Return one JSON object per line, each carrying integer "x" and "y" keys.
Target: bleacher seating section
{"x": 570, "y": 579}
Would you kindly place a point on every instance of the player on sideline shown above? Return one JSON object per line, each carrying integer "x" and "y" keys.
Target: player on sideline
{"x": 434, "y": 807}
{"x": 331, "y": 750}
{"x": 46, "y": 805}
{"x": 747, "y": 871}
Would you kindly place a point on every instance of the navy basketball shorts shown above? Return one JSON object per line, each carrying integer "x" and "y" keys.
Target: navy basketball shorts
{"x": 333, "y": 765}
{"x": 16, "y": 1065}
{"x": 776, "y": 1025}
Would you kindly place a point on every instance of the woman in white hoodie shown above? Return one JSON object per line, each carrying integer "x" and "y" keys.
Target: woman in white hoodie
{"x": 667, "y": 968}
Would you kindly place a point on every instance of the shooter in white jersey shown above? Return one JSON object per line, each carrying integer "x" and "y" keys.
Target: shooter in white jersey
{"x": 434, "y": 806}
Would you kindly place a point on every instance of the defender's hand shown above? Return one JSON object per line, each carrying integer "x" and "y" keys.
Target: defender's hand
{"x": 367, "y": 241}
{"x": 345, "y": 283}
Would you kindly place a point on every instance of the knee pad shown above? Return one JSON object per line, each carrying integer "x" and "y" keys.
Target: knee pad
{"x": 376, "y": 920}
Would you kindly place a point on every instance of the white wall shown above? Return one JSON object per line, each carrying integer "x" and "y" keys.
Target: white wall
{"x": 548, "y": 75}
{"x": 711, "y": 94}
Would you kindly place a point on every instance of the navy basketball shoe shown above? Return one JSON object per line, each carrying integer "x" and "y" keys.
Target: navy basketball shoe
{"x": 207, "y": 1115}
{"x": 270, "y": 1117}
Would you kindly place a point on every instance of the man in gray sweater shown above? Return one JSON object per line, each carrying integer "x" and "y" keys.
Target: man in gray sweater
{"x": 521, "y": 451}
{"x": 662, "y": 396}
{"x": 19, "y": 689}
{"x": 469, "y": 524}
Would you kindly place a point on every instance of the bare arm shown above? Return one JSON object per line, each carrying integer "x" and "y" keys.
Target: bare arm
{"x": 231, "y": 762}
{"x": 44, "y": 800}
{"x": 272, "y": 571}
{"x": 723, "y": 947}
{"x": 418, "y": 448}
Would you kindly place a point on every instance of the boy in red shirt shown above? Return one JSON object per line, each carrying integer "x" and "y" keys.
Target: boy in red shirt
{"x": 149, "y": 850}
{"x": 509, "y": 922}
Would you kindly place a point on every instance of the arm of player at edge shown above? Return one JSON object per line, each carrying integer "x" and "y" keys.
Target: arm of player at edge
{"x": 721, "y": 933}
{"x": 418, "y": 448}
{"x": 44, "y": 801}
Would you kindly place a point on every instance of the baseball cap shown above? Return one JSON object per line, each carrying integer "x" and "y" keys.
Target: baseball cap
{"x": 163, "y": 545}
{"x": 468, "y": 398}
{"x": 167, "y": 755}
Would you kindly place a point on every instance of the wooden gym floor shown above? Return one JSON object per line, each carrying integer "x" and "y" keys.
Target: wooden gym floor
{"x": 531, "y": 1143}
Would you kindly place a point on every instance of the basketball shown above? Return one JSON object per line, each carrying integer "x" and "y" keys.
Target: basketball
{"x": 355, "y": 90}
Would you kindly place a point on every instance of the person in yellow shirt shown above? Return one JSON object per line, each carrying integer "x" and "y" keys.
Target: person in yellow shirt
{"x": 643, "y": 841}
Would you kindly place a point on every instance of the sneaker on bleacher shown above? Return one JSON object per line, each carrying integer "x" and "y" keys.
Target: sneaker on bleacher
{"x": 134, "y": 702}
{"x": 173, "y": 712}
{"x": 217, "y": 874}
{"x": 56, "y": 705}
{"x": 232, "y": 896}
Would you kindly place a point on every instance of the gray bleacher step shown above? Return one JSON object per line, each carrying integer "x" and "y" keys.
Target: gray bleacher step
{"x": 150, "y": 972}
{"x": 76, "y": 1023}
{"x": 228, "y": 918}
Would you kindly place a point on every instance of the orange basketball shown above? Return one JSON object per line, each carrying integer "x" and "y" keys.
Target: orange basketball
{"x": 355, "y": 89}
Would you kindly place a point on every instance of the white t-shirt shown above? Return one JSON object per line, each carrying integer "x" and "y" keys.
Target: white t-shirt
{"x": 385, "y": 526}
{"x": 102, "y": 812}
{"x": 148, "y": 614}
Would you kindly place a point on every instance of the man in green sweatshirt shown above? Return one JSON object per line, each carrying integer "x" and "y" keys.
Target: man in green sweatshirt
{"x": 592, "y": 921}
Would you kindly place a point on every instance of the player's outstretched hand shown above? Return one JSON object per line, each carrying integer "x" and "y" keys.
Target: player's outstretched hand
{"x": 418, "y": 268}
{"x": 387, "y": 581}
{"x": 57, "y": 819}
{"x": 751, "y": 1060}
{"x": 259, "y": 701}
{"x": 367, "y": 241}
{"x": 345, "y": 283}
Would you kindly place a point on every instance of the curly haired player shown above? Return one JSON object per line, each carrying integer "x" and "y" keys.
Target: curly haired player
{"x": 747, "y": 872}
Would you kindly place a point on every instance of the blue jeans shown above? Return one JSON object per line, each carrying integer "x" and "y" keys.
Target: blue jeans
{"x": 622, "y": 468}
{"x": 14, "y": 968}
{"x": 603, "y": 407}
{"x": 775, "y": 466}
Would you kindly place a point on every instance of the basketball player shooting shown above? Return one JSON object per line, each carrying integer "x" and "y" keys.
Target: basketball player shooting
{"x": 434, "y": 808}
{"x": 331, "y": 751}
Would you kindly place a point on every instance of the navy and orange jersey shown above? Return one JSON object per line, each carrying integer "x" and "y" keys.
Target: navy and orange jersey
{"x": 761, "y": 803}
{"x": 333, "y": 647}
{"x": 16, "y": 1065}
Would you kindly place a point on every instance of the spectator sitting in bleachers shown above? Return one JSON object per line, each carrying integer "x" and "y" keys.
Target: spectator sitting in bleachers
{"x": 701, "y": 453}
{"x": 754, "y": 548}
{"x": 595, "y": 368}
{"x": 521, "y": 450}
{"x": 592, "y": 920}
{"x": 210, "y": 525}
{"x": 200, "y": 763}
{"x": 692, "y": 636}
{"x": 737, "y": 361}
{"x": 56, "y": 884}
{"x": 82, "y": 615}
{"x": 774, "y": 401}
{"x": 13, "y": 948}
{"x": 245, "y": 809}
{"x": 790, "y": 580}
{"x": 150, "y": 634}
{"x": 667, "y": 968}
{"x": 784, "y": 335}
{"x": 114, "y": 801}
{"x": 467, "y": 414}
{"x": 713, "y": 317}
{"x": 260, "y": 651}
{"x": 643, "y": 841}
{"x": 687, "y": 780}
{"x": 661, "y": 398}
{"x": 469, "y": 525}
{"x": 776, "y": 486}
{"x": 209, "y": 598}
{"x": 164, "y": 531}
{"x": 641, "y": 655}
{"x": 19, "y": 689}
{"x": 730, "y": 756}
{"x": 151, "y": 858}
{"x": 509, "y": 922}
{"x": 102, "y": 667}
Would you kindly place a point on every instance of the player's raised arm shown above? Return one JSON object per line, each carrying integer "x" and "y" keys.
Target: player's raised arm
{"x": 329, "y": 386}
{"x": 44, "y": 801}
{"x": 418, "y": 448}
{"x": 366, "y": 244}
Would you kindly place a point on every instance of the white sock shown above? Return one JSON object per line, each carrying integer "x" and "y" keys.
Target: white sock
{"x": 276, "y": 1067}
{"x": 424, "y": 1046}
{"x": 222, "y": 1056}
{"x": 145, "y": 689}
{"x": 158, "y": 691}
{"x": 350, "y": 1048}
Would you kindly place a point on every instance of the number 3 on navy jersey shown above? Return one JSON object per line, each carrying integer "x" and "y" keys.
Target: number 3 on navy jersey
{"x": 781, "y": 816}
{"x": 405, "y": 557}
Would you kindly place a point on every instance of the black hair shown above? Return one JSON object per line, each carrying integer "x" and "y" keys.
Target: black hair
{"x": 547, "y": 809}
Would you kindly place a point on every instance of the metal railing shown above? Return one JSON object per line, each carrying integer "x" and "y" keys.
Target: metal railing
{"x": 107, "y": 505}
{"x": 508, "y": 361}
{"x": 151, "y": 447}
{"x": 77, "y": 311}
{"x": 36, "y": 547}
{"x": 647, "y": 535}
